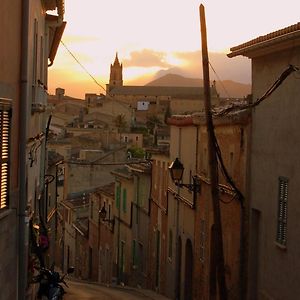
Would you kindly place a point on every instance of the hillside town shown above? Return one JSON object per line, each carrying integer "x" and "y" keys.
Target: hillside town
{"x": 120, "y": 187}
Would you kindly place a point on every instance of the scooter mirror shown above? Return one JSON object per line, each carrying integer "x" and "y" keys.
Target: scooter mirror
{"x": 70, "y": 270}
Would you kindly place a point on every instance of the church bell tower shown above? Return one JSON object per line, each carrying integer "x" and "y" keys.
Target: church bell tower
{"x": 116, "y": 74}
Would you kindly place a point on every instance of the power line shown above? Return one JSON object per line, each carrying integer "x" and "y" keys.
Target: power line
{"x": 82, "y": 66}
{"x": 223, "y": 86}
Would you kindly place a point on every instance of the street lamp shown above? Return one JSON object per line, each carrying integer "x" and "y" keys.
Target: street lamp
{"x": 176, "y": 171}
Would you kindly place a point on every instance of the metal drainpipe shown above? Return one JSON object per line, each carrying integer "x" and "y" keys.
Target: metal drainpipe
{"x": 23, "y": 116}
{"x": 178, "y": 259}
{"x": 118, "y": 238}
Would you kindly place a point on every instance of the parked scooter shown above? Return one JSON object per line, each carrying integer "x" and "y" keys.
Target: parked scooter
{"x": 50, "y": 283}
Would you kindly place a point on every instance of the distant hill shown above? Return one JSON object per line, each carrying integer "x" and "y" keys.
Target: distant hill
{"x": 226, "y": 88}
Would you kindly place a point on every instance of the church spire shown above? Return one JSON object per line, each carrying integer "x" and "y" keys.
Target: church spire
{"x": 116, "y": 60}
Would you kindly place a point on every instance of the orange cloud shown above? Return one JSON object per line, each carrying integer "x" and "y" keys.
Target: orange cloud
{"x": 146, "y": 58}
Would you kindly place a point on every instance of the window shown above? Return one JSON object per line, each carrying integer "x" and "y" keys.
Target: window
{"x": 92, "y": 209}
{"x": 118, "y": 194}
{"x": 170, "y": 244}
{"x": 141, "y": 257}
{"x": 5, "y": 123}
{"x": 122, "y": 258}
{"x": 34, "y": 58}
{"x": 124, "y": 200}
{"x": 42, "y": 60}
{"x": 242, "y": 139}
{"x": 231, "y": 162}
{"x": 35, "y": 50}
{"x": 205, "y": 161}
{"x": 202, "y": 239}
{"x": 282, "y": 211}
{"x": 134, "y": 256}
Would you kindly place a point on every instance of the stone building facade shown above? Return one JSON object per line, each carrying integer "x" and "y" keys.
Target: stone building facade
{"x": 232, "y": 134}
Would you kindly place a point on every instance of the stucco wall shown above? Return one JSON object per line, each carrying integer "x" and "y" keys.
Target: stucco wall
{"x": 275, "y": 152}
{"x": 10, "y": 53}
{"x": 8, "y": 257}
{"x": 86, "y": 177}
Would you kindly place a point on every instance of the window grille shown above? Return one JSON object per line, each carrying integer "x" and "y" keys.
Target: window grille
{"x": 5, "y": 124}
{"x": 281, "y": 235}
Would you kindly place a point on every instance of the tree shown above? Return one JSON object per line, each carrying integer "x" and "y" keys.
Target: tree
{"x": 136, "y": 152}
{"x": 168, "y": 114}
{"x": 152, "y": 123}
{"x": 120, "y": 122}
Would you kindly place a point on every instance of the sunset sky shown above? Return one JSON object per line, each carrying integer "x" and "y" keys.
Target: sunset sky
{"x": 155, "y": 35}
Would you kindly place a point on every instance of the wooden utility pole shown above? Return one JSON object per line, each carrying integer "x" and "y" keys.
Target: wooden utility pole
{"x": 213, "y": 166}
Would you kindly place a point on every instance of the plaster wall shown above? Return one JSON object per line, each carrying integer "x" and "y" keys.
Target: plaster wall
{"x": 275, "y": 153}
{"x": 181, "y": 216}
{"x": 10, "y": 55}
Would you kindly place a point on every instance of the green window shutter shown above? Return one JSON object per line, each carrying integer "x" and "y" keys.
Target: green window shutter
{"x": 124, "y": 200}
{"x": 118, "y": 194}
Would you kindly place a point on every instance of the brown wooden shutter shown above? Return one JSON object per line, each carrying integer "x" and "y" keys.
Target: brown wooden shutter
{"x": 5, "y": 122}
{"x": 282, "y": 211}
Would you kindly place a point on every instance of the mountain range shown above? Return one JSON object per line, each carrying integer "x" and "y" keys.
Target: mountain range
{"x": 225, "y": 88}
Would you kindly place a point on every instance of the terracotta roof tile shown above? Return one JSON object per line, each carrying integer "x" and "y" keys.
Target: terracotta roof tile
{"x": 180, "y": 120}
{"x": 267, "y": 37}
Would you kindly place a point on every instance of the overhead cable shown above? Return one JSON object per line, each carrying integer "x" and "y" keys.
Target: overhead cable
{"x": 82, "y": 66}
{"x": 242, "y": 106}
{"x": 221, "y": 82}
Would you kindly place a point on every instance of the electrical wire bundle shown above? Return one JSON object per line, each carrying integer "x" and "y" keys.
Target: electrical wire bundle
{"x": 239, "y": 107}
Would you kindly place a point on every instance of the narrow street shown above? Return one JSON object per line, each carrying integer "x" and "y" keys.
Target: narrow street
{"x": 89, "y": 291}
